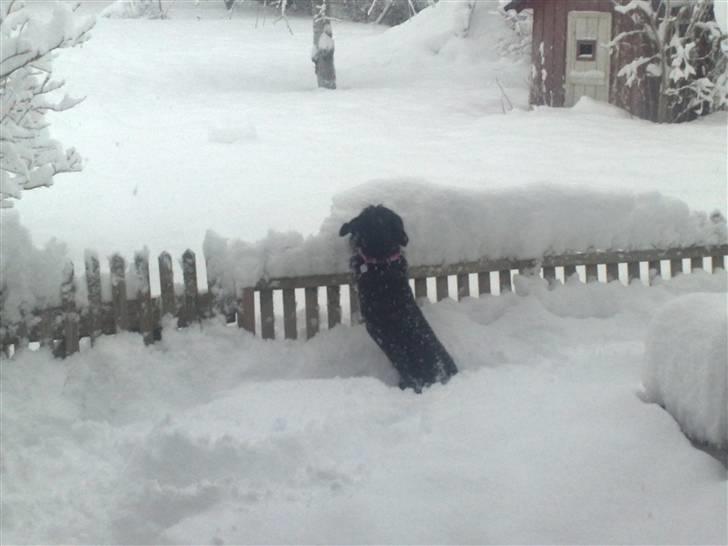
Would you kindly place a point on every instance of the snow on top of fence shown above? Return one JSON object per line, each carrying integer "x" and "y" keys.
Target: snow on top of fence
{"x": 451, "y": 225}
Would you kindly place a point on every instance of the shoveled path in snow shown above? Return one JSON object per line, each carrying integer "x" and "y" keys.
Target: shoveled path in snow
{"x": 212, "y": 436}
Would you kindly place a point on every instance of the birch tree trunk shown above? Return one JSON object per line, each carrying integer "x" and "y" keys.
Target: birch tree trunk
{"x": 322, "y": 54}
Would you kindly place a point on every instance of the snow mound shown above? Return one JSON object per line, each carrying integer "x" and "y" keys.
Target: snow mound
{"x": 589, "y": 106}
{"x": 450, "y": 225}
{"x": 221, "y": 134}
{"x": 686, "y": 369}
{"x": 132, "y": 9}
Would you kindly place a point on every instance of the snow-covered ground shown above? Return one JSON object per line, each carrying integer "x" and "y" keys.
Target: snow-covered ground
{"x": 214, "y": 436}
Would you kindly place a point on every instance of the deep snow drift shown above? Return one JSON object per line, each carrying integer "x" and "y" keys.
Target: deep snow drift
{"x": 213, "y": 436}
{"x": 686, "y": 367}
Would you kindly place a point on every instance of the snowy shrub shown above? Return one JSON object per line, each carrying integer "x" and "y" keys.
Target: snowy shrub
{"x": 519, "y": 43}
{"x": 29, "y": 158}
{"x": 683, "y": 55}
{"x": 134, "y": 9}
{"x": 30, "y": 277}
{"x": 686, "y": 368}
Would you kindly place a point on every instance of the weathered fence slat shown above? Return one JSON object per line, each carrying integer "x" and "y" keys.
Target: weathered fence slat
{"x": 312, "y": 312}
{"x": 676, "y": 267}
{"x": 333, "y": 302}
{"x": 592, "y": 273}
{"x": 70, "y": 315}
{"x": 504, "y": 278}
{"x": 166, "y": 284}
{"x": 420, "y": 288}
{"x": 290, "y": 326}
{"x": 633, "y": 271}
{"x": 246, "y": 310}
{"x": 354, "y": 303}
{"x": 549, "y": 274}
{"x": 484, "y": 283}
{"x": 93, "y": 286}
{"x": 612, "y": 272}
{"x": 463, "y": 286}
{"x": 118, "y": 293}
{"x": 718, "y": 262}
{"x": 267, "y": 318}
{"x": 144, "y": 296}
{"x": 190, "y": 309}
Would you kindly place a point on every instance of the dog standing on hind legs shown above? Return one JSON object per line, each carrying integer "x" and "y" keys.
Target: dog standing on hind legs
{"x": 391, "y": 314}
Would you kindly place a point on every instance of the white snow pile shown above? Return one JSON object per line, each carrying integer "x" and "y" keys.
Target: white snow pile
{"x": 29, "y": 276}
{"x": 133, "y": 9}
{"x": 686, "y": 367}
{"x": 450, "y": 225}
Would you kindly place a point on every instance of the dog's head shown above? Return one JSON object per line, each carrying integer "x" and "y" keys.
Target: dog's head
{"x": 377, "y": 231}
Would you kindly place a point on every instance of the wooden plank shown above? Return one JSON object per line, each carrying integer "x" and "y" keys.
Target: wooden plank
{"x": 166, "y": 284}
{"x": 70, "y": 315}
{"x": 333, "y": 302}
{"x": 676, "y": 267}
{"x": 118, "y": 293}
{"x": 312, "y": 312}
{"x": 484, "y": 283}
{"x": 717, "y": 262}
{"x": 504, "y": 278}
{"x": 537, "y": 95}
{"x": 421, "y": 288}
{"x": 190, "y": 309}
{"x": 569, "y": 271}
{"x": 441, "y": 288}
{"x": 267, "y": 318}
{"x": 592, "y": 274}
{"x": 354, "y": 304}
{"x": 633, "y": 271}
{"x": 654, "y": 270}
{"x": 559, "y": 52}
{"x": 463, "y": 286}
{"x": 612, "y": 272}
{"x": 696, "y": 263}
{"x": 144, "y": 296}
{"x": 290, "y": 325}
{"x": 549, "y": 274}
{"x": 246, "y": 310}
{"x": 93, "y": 286}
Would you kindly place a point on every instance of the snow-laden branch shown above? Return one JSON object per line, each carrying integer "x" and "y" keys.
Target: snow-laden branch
{"x": 29, "y": 158}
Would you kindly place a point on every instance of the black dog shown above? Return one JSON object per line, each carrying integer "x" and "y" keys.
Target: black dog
{"x": 390, "y": 312}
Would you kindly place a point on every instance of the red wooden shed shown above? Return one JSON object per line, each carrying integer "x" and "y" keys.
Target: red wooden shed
{"x": 571, "y": 59}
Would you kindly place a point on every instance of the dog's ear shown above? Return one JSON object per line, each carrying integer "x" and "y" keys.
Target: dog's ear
{"x": 345, "y": 229}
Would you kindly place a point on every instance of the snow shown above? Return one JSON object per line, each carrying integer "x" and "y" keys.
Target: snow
{"x": 686, "y": 365}
{"x": 450, "y": 225}
{"x": 155, "y": 127}
{"x": 214, "y": 436}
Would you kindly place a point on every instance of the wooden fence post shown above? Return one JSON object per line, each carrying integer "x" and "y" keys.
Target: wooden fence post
{"x": 118, "y": 293}
{"x": 463, "y": 286}
{"x": 549, "y": 275}
{"x": 633, "y": 271}
{"x": 246, "y": 310}
{"x": 676, "y": 267}
{"x": 421, "y": 288}
{"x": 696, "y": 264}
{"x": 484, "y": 283}
{"x": 441, "y": 288}
{"x": 144, "y": 296}
{"x": 504, "y": 278}
{"x": 718, "y": 262}
{"x": 312, "y": 312}
{"x": 190, "y": 309}
{"x": 166, "y": 284}
{"x": 654, "y": 270}
{"x": 592, "y": 273}
{"x": 333, "y": 305}
{"x": 70, "y": 315}
{"x": 569, "y": 271}
{"x": 267, "y": 318}
{"x": 93, "y": 285}
{"x": 354, "y": 303}
{"x": 612, "y": 272}
{"x": 290, "y": 322}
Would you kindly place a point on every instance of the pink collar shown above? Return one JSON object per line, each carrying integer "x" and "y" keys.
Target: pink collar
{"x": 388, "y": 260}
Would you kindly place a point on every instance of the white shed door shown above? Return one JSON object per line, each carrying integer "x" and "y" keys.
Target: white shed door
{"x": 587, "y": 56}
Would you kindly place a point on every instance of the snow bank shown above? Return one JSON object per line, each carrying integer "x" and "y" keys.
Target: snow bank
{"x": 133, "y": 9}
{"x": 449, "y": 225}
{"x": 686, "y": 368}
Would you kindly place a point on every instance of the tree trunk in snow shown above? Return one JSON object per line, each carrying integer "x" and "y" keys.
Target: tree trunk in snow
{"x": 323, "y": 45}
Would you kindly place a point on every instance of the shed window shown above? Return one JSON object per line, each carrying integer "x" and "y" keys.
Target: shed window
{"x": 586, "y": 50}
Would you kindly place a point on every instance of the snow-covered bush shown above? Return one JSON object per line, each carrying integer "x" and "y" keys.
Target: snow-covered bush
{"x": 29, "y": 158}
{"x": 135, "y": 9}
{"x": 686, "y": 368}
{"x": 683, "y": 55}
